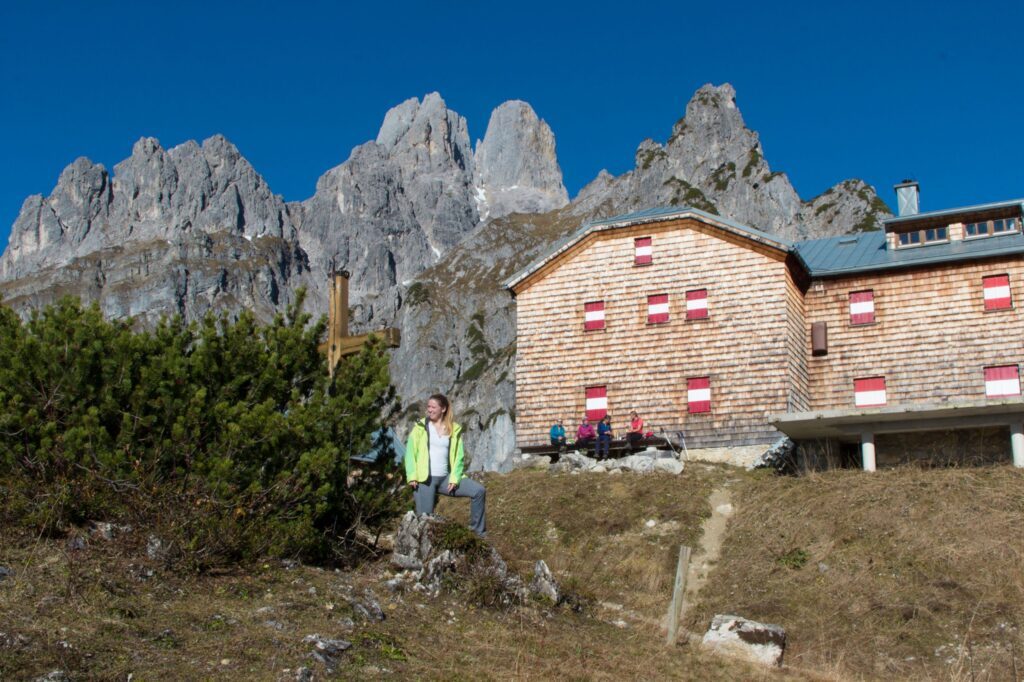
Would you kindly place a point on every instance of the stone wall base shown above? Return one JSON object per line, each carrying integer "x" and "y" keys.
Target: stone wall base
{"x": 741, "y": 456}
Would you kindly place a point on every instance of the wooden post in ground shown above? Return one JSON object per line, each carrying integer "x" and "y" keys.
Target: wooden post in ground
{"x": 678, "y": 594}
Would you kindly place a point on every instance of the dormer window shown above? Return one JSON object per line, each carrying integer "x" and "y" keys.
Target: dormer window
{"x": 988, "y": 228}
{"x": 931, "y": 235}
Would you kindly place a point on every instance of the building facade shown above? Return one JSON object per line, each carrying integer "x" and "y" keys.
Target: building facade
{"x": 733, "y": 337}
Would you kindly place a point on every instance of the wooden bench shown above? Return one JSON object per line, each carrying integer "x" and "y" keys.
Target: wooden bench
{"x": 618, "y": 448}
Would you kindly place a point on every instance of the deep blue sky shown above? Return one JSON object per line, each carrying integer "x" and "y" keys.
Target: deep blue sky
{"x": 879, "y": 91}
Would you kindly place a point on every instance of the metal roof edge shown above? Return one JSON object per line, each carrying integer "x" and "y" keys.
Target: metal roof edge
{"x": 899, "y": 265}
{"x": 953, "y": 211}
{"x": 837, "y": 237}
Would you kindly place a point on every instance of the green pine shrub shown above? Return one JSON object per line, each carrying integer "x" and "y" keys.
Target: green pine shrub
{"x": 227, "y": 439}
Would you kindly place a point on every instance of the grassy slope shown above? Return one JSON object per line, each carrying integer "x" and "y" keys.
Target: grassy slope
{"x": 915, "y": 560}
{"x": 905, "y": 573}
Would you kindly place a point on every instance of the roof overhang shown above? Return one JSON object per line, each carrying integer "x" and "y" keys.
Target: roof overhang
{"x": 646, "y": 217}
{"x": 849, "y": 424}
{"x": 966, "y": 214}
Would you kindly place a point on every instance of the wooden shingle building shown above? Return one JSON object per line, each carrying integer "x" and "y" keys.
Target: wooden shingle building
{"x": 734, "y": 337}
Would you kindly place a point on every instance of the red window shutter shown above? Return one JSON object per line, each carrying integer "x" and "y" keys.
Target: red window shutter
{"x": 593, "y": 315}
{"x": 657, "y": 309}
{"x": 862, "y": 307}
{"x": 1002, "y": 382}
{"x": 869, "y": 392}
{"x": 597, "y": 403}
{"x": 696, "y": 304}
{"x": 642, "y": 249}
{"x": 698, "y": 395}
{"x": 997, "y": 292}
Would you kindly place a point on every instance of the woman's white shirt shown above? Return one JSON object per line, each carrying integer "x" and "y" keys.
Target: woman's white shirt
{"x": 438, "y": 451}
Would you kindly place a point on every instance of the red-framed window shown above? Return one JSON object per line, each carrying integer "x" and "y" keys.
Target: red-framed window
{"x": 642, "y": 254}
{"x": 1002, "y": 381}
{"x": 597, "y": 402}
{"x": 657, "y": 309}
{"x": 997, "y": 292}
{"x": 862, "y": 307}
{"x": 869, "y": 392}
{"x": 593, "y": 315}
{"x": 698, "y": 395}
{"x": 697, "y": 304}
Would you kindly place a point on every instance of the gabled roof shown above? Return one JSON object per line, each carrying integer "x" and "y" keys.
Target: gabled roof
{"x": 865, "y": 252}
{"x": 827, "y": 257}
{"x": 651, "y": 215}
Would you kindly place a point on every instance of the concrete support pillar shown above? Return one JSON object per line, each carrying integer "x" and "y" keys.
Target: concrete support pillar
{"x": 1017, "y": 443}
{"x": 867, "y": 451}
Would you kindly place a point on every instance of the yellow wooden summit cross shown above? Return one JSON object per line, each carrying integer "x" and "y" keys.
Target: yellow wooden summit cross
{"x": 339, "y": 343}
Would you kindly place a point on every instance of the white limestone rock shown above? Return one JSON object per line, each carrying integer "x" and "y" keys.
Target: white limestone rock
{"x": 746, "y": 639}
{"x": 544, "y": 583}
{"x": 517, "y": 168}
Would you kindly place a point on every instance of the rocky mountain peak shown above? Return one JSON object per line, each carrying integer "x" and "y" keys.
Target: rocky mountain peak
{"x": 220, "y": 147}
{"x": 516, "y": 165}
{"x": 426, "y": 135}
{"x": 713, "y": 162}
{"x": 146, "y": 147}
{"x": 713, "y": 106}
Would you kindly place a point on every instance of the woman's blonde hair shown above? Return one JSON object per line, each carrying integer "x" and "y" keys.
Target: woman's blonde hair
{"x": 448, "y": 421}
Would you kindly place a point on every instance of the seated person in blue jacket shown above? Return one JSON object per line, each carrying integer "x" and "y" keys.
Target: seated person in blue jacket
{"x": 558, "y": 434}
{"x": 604, "y": 437}
{"x": 434, "y": 462}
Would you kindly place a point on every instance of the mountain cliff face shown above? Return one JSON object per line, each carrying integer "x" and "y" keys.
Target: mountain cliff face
{"x": 428, "y": 226}
{"x": 712, "y": 161}
{"x": 183, "y": 230}
{"x": 516, "y": 167}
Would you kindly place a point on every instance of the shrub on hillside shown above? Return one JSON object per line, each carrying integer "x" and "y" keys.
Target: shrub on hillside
{"x": 228, "y": 436}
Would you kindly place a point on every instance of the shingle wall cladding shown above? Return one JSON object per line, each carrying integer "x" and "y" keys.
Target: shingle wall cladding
{"x": 796, "y": 342}
{"x": 743, "y": 346}
{"x": 931, "y": 338}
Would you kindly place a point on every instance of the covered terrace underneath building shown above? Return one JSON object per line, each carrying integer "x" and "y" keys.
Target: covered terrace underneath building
{"x": 864, "y": 426}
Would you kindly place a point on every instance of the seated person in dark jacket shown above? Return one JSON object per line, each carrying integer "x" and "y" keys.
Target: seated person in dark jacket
{"x": 558, "y": 434}
{"x": 604, "y": 437}
{"x": 585, "y": 434}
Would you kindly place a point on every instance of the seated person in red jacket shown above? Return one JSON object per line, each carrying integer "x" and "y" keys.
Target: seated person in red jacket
{"x": 636, "y": 429}
{"x": 585, "y": 434}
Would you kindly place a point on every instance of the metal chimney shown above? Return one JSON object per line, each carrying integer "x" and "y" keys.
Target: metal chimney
{"x": 907, "y": 193}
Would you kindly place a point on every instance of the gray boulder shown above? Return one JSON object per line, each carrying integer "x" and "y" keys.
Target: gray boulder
{"x": 445, "y": 569}
{"x": 544, "y": 584}
{"x": 573, "y": 460}
{"x": 412, "y": 541}
{"x": 779, "y": 456}
{"x": 326, "y": 650}
{"x": 746, "y": 639}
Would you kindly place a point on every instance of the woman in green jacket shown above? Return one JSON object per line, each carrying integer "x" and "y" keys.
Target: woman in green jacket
{"x": 434, "y": 463}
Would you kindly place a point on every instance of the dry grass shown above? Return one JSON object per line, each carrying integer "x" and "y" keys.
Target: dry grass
{"x": 591, "y": 529}
{"x": 905, "y": 573}
{"x": 94, "y": 613}
{"x": 921, "y": 578}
